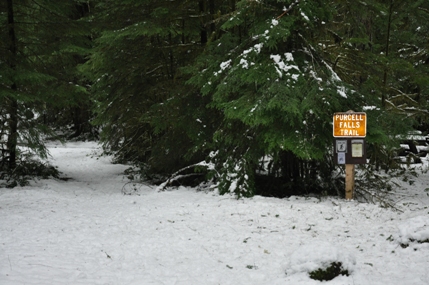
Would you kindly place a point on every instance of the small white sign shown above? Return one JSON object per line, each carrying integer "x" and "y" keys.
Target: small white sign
{"x": 341, "y": 146}
{"x": 357, "y": 150}
{"x": 341, "y": 158}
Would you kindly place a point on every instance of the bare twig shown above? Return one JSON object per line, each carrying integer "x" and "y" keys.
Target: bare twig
{"x": 125, "y": 192}
{"x": 175, "y": 176}
{"x": 10, "y": 264}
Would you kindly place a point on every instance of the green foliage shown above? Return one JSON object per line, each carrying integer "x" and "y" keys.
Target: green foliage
{"x": 146, "y": 113}
{"x": 235, "y": 178}
{"x": 43, "y": 42}
{"x": 378, "y": 47}
{"x": 171, "y": 82}
{"x": 274, "y": 89}
{"x": 277, "y": 80}
{"x": 27, "y": 168}
{"x": 329, "y": 273}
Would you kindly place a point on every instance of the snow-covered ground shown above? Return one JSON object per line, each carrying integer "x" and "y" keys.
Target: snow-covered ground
{"x": 85, "y": 231}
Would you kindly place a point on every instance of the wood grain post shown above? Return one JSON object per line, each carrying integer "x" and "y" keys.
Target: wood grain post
{"x": 350, "y": 181}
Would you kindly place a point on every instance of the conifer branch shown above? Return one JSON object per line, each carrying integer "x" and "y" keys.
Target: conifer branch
{"x": 288, "y": 9}
{"x": 153, "y": 70}
{"x": 424, "y": 9}
{"x": 371, "y": 196}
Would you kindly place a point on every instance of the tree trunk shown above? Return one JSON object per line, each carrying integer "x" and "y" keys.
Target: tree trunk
{"x": 203, "y": 33}
{"x": 81, "y": 123}
{"x": 12, "y": 102}
{"x": 212, "y": 16}
{"x": 389, "y": 24}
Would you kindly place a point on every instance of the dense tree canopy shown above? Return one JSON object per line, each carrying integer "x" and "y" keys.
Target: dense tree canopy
{"x": 41, "y": 41}
{"x": 247, "y": 86}
{"x": 144, "y": 107}
{"x": 282, "y": 68}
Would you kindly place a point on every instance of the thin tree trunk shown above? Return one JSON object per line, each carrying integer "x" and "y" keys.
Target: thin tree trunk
{"x": 212, "y": 16}
{"x": 389, "y": 24}
{"x": 13, "y": 104}
{"x": 203, "y": 33}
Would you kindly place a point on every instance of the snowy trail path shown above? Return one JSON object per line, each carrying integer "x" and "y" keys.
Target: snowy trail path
{"x": 84, "y": 231}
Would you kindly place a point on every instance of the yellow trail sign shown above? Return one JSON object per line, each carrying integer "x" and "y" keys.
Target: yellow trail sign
{"x": 349, "y": 124}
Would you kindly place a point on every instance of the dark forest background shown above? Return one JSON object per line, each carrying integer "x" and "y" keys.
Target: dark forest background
{"x": 239, "y": 93}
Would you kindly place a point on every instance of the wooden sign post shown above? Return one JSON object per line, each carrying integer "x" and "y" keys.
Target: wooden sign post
{"x": 349, "y": 148}
{"x": 350, "y": 181}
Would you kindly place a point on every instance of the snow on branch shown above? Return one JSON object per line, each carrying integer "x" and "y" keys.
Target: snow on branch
{"x": 280, "y": 65}
{"x": 341, "y": 89}
{"x": 176, "y": 175}
{"x": 288, "y": 9}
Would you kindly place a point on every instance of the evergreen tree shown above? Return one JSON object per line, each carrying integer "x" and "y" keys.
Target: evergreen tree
{"x": 72, "y": 117}
{"x": 266, "y": 77}
{"x": 240, "y": 82}
{"x": 36, "y": 69}
{"x": 389, "y": 46}
{"x": 147, "y": 114}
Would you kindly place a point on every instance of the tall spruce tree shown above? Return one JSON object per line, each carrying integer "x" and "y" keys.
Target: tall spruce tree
{"x": 37, "y": 68}
{"x": 147, "y": 113}
{"x": 73, "y": 115}
{"x": 275, "y": 90}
